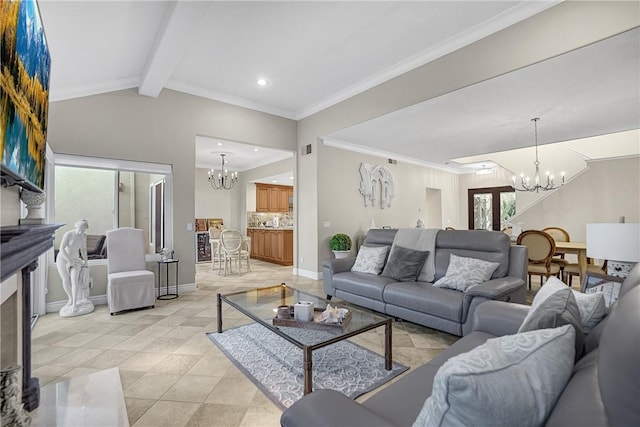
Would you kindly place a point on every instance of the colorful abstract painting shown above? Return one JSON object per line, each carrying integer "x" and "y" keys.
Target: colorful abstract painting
{"x": 24, "y": 91}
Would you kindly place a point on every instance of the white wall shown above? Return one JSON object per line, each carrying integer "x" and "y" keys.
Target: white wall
{"x": 9, "y": 205}
{"x": 605, "y": 192}
{"x": 343, "y": 205}
{"x": 211, "y": 203}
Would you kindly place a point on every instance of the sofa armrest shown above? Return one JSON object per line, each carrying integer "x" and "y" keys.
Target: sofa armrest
{"x": 499, "y": 289}
{"x": 518, "y": 262}
{"x": 329, "y": 408}
{"x": 341, "y": 265}
{"x": 330, "y": 267}
{"x": 499, "y": 318}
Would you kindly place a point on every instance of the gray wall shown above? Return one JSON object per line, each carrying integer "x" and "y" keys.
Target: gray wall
{"x": 558, "y": 30}
{"x": 125, "y": 125}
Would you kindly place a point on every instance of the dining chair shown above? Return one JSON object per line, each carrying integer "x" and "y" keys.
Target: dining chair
{"x": 214, "y": 241}
{"x": 559, "y": 235}
{"x": 129, "y": 284}
{"x": 540, "y": 248}
{"x": 573, "y": 269}
{"x": 234, "y": 248}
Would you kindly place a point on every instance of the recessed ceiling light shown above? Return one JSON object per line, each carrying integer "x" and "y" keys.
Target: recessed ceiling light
{"x": 219, "y": 144}
{"x": 262, "y": 82}
{"x": 255, "y": 149}
{"x": 274, "y": 181}
{"x": 290, "y": 177}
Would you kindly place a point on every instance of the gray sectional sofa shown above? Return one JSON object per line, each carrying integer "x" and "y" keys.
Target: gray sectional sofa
{"x": 444, "y": 309}
{"x": 602, "y": 388}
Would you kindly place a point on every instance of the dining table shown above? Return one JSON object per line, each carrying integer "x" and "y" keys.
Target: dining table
{"x": 578, "y": 248}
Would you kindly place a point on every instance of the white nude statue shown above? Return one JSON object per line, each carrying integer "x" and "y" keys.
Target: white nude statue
{"x": 73, "y": 267}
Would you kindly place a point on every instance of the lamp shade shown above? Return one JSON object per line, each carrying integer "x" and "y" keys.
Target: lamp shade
{"x": 615, "y": 241}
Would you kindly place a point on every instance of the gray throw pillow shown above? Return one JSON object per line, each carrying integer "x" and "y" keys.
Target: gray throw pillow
{"x": 463, "y": 273}
{"x": 559, "y": 309}
{"x": 404, "y": 265}
{"x": 370, "y": 259}
{"x": 508, "y": 381}
{"x": 592, "y": 306}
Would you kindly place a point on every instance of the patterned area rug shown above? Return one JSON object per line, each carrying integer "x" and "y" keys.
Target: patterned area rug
{"x": 275, "y": 365}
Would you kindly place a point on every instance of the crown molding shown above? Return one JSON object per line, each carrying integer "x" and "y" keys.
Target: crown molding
{"x": 344, "y": 145}
{"x": 499, "y": 22}
{"x": 228, "y": 99}
{"x": 90, "y": 90}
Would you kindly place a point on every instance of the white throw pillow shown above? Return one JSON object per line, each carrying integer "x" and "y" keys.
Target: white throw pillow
{"x": 508, "y": 381}
{"x": 591, "y": 306}
{"x": 463, "y": 273}
{"x": 370, "y": 259}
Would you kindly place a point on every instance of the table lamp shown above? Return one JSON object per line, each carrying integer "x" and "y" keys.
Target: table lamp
{"x": 618, "y": 243}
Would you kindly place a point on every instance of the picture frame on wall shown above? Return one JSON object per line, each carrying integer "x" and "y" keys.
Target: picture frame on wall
{"x": 609, "y": 286}
{"x": 24, "y": 95}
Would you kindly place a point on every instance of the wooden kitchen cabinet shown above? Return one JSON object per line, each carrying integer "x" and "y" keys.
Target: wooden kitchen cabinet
{"x": 262, "y": 198}
{"x": 272, "y": 198}
{"x": 272, "y": 245}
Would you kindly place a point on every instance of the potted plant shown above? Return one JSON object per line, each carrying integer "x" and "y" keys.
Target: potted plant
{"x": 340, "y": 245}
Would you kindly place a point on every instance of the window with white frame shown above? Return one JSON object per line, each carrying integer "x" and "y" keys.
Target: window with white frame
{"x": 110, "y": 194}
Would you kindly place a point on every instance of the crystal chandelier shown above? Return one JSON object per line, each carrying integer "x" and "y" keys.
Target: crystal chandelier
{"x": 222, "y": 180}
{"x": 525, "y": 181}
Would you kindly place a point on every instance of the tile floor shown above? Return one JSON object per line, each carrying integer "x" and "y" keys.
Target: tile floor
{"x": 172, "y": 375}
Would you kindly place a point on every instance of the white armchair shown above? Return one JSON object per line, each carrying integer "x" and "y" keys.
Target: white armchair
{"x": 129, "y": 284}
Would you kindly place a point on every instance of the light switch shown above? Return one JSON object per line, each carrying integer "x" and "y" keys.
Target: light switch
{"x": 327, "y": 224}
{"x": 189, "y": 226}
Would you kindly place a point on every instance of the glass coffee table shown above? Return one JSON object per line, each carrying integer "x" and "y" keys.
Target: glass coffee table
{"x": 261, "y": 305}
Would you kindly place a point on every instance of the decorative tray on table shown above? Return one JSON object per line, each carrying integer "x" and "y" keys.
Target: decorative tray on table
{"x": 315, "y": 323}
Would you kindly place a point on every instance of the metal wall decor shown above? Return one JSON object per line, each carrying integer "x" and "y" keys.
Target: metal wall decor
{"x": 376, "y": 184}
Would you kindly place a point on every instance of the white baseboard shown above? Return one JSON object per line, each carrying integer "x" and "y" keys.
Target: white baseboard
{"x": 55, "y": 306}
{"x": 315, "y": 275}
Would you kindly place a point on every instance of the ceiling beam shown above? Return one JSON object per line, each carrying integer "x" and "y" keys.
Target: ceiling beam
{"x": 179, "y": 26}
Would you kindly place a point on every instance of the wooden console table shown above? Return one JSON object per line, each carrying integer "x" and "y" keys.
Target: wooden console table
{"x": 20, "y": 247}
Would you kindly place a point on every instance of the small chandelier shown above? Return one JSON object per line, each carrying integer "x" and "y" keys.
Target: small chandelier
{"x": 222, "y": 180}
{"x": 525, "y": 181}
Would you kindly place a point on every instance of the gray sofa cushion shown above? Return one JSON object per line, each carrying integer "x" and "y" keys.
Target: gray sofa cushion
{"x": 424, "y": 298}
{"x": 404, "y": 264}
{"x": 363, "y": 284}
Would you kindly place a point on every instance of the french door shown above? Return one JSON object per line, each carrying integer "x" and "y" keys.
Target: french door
{"x": 491, "y": 208}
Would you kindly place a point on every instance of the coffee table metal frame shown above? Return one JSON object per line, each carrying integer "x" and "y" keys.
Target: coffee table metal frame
{"x": 308, "y": 349}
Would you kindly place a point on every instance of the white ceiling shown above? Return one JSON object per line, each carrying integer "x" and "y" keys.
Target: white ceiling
{"x": 238, "y": 156}
{"x": 315, "y": 54}
{"x": 591, "y": 91}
